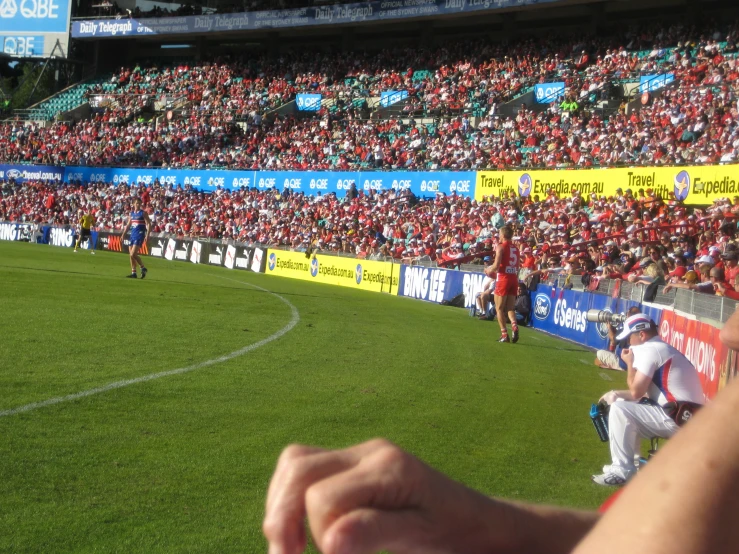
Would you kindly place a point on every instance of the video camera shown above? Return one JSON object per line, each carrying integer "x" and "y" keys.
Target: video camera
{"x": 604, "y": 316}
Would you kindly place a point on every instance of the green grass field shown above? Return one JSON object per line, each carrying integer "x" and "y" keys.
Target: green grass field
{"x": 181, "y": 463}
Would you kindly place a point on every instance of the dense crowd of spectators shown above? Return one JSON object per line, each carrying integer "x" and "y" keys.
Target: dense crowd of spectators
{"x": 634, "y": 235}
{"x": 460, "y": 87}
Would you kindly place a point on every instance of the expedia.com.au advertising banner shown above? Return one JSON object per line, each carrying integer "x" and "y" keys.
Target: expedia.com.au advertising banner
{"x": 695, "y": 185}
{"x": 332, "y": 270}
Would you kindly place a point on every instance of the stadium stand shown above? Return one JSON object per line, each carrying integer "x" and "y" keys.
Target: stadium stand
{"x": 454, "y": 117}
{"x": 469, "y": 106}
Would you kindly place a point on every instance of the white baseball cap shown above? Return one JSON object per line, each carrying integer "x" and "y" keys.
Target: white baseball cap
{"x": 635, "y": 323}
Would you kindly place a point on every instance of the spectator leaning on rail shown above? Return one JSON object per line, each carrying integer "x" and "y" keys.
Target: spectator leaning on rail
{"x": 662, "y": 383}
{"x": 717, "y": 284}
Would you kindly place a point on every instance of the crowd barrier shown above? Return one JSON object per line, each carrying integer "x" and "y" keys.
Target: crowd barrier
{"x": 695, "y": 185}
{"x": 555, "y": 310}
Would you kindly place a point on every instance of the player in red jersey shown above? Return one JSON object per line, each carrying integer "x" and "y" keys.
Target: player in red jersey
{"x": 506, "y": 265}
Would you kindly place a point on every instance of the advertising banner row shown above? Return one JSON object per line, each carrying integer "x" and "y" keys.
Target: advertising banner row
{"x": 186, "y": 250}
{"x": 308, "y": 182}
{"x": 31, "y": 172}
{"x": 333, "y": 270}
{"x": 563, "y": 313}
{"x": 546, "y": 93}
{"x": 376, "y": 10}
{"x": 695, "y": 185}
{"x": 192, "y": 250}
{"x": 436, "y": 285}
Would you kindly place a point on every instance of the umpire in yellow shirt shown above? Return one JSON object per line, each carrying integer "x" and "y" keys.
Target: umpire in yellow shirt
{"x": 87, "y": 221}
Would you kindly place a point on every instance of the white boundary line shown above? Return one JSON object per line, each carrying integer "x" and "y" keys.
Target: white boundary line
{"x": 295, "y": 318}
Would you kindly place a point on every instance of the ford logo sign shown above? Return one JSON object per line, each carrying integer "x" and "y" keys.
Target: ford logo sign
{"x": 602, "y": 327}
{"x": 13, "y": 174}
{"x": 542, "y": 307}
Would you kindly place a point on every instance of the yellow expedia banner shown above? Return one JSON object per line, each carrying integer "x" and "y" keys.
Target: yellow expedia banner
{"x": 695, "y": 185}
{"x": 345, "y": 272}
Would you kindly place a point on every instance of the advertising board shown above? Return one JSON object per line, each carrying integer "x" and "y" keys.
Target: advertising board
{"x": 308, "y": 102}
{"x": 650, "y": 83}
{"x": 376, "y": 10}
{"x": 390, "y": 97}
{"x": 700, "y": 343}
{"x": 421, "y": 183}
{"x": 22, "y": 173}
{"x": 563, "y": 313}
{"x": 437, "y": 285}
{"x": 546, "y": 93}
{"x": 695, "y": 185}
{"x": 31, "y": 28}
{"x": 333, "y": 270}
{"x": 16, "y": 231}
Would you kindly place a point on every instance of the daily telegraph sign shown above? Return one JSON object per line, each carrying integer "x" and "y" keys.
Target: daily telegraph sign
{"x": 380, "y": 10}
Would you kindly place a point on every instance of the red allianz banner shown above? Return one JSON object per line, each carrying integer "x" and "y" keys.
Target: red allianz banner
{"x": 700, "y": 343}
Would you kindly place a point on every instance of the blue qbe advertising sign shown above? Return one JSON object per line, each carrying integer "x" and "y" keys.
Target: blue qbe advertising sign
{"x": 34, "y": 16}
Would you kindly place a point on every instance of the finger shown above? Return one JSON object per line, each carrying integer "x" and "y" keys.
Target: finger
{"x": 289, "y": 456}
{"x": 300, "y": 467}
{"x": 370, "y": 530}
{"x": 387, "y": 479}
{"x": 285, "y": 536}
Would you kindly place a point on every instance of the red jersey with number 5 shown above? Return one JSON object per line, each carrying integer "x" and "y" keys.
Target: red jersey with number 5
{"x": 507, "y": 282}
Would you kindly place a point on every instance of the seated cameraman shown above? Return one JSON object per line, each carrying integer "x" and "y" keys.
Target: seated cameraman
{"x": 664, "y": 390}
{"x": 611, "y": 358}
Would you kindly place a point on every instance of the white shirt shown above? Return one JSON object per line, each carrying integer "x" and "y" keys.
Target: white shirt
{"x": 488, "y": 283}
{"x": 674, "y": 378}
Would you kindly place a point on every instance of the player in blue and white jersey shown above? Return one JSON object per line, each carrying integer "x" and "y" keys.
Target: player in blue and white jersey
{"x": 140, "y": 225}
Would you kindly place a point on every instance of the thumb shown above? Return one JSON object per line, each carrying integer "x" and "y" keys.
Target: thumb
{"x": 370, "y": 530}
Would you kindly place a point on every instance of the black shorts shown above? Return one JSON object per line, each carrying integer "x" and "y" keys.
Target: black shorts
{"x": 84, "y": 234}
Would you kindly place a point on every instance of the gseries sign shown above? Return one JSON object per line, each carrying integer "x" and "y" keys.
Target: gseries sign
{"x": 332, "y": 270}
{"x": 694, "y": 185}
